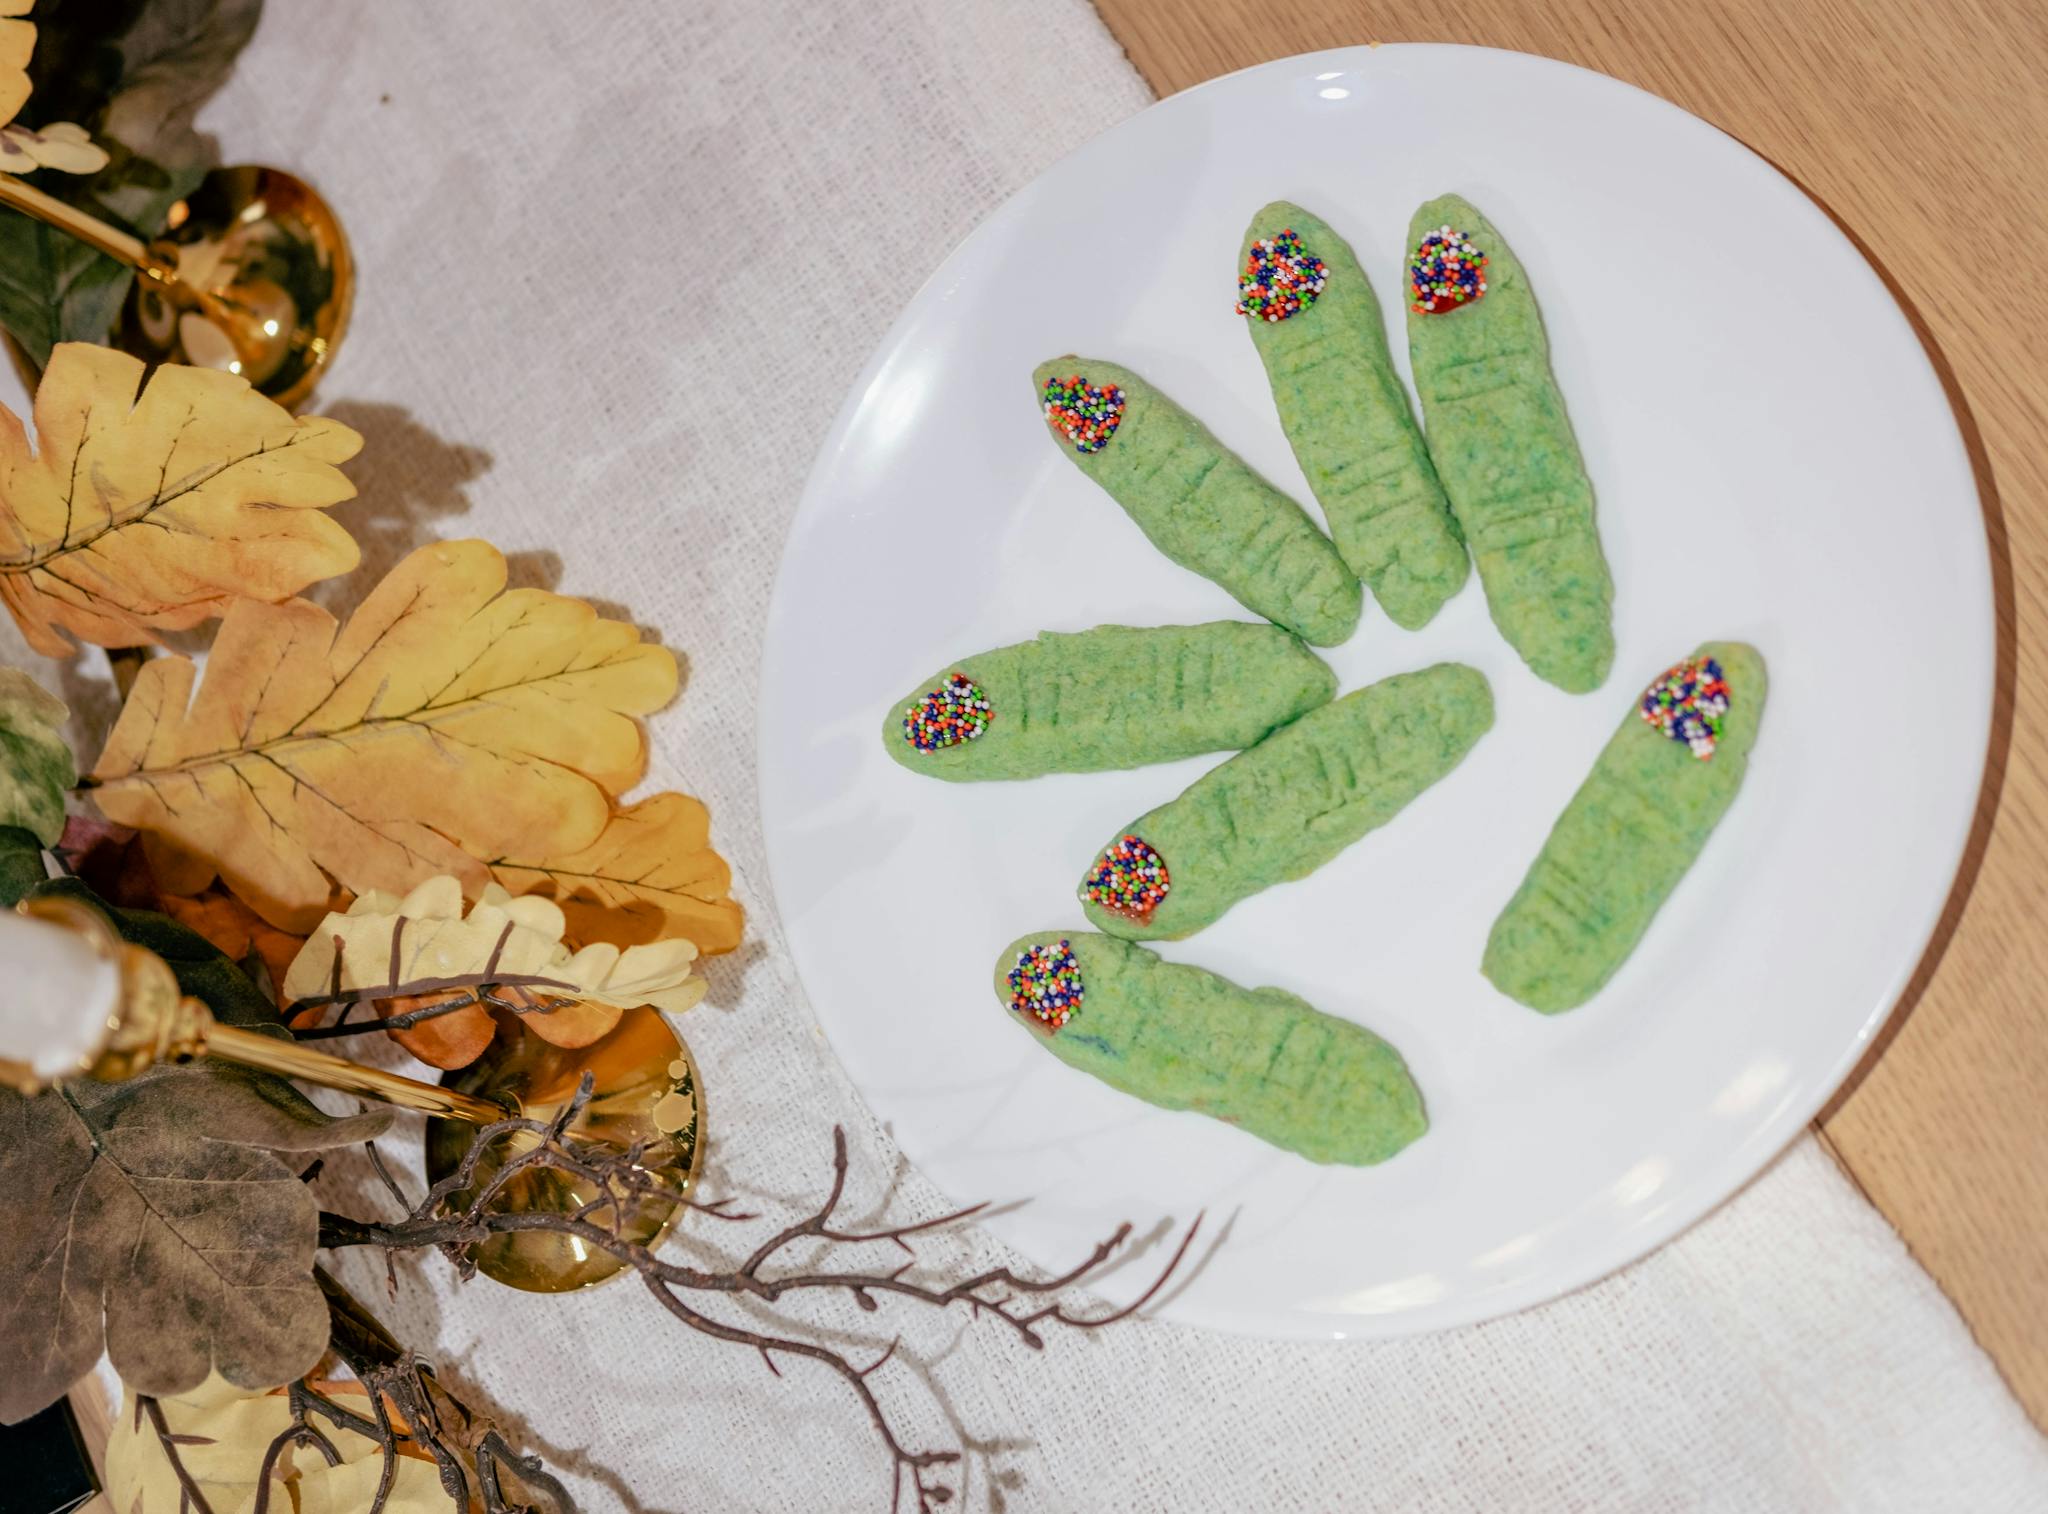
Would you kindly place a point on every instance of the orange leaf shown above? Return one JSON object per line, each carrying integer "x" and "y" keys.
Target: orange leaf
{"x": 455, "y": 1039}
{"x": 137, "y": 515}
{"x": 577, "y": 1023}
{"x": 236, "y": 929}
{"x": 651, "y": 874}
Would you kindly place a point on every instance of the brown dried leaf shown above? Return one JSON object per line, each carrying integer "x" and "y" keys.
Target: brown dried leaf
{"x": 140, "y": 515}
{"x": 449, "y": 712}
{"x": 153, "y": 1220}
{"x": 651, "y": 874}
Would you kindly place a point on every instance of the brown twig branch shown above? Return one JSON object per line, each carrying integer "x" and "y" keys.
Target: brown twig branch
{"x": 522, "y": 1004}
{"x": 188, "y": 1487}
{"x": 471, "y": 1455}
{"x": 456, "y": 1215}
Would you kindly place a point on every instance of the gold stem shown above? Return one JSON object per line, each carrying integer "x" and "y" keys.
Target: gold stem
{"x": 118, "y": 245}
{"x": 288, "y": 1059}
{"x": 92, "y": 231}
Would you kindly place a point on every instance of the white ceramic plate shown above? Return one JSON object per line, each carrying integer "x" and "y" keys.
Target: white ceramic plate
{"x": 1774, "y": 461}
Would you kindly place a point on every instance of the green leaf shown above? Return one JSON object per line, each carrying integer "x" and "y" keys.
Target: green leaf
{"x": 36, "y": 765}
{"x": 54, "y": 288}
{"x": 21, "y": 864}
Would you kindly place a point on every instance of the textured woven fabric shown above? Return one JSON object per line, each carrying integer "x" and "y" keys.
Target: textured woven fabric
{"x": 618, "y": 264}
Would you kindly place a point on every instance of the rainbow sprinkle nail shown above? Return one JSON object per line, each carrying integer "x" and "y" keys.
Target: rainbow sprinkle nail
{"x": 1281, "y": 278}
{"x": 956, "y": 711}
{"x": 1130, "y": 878}
{"x": 1086, "y": 414}
{"x": 1444, "y": 272}
{"x": 1046, "y": 984}
{"x": 1689, "y": 704}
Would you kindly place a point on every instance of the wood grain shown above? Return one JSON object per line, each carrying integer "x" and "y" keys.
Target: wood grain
{"x": 1921, "y": 129}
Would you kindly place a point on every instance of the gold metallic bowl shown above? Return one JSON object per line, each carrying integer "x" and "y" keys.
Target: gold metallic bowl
{"x": 646, "y": 1089}
{"x": 263, "y": 283}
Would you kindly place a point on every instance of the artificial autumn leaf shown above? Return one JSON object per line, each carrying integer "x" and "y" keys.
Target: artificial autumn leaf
{"x": 21, "y": 864}
{"x": 136, "y": 516}
{"x": 36, "y": 765}
{"x": 454, "y": 1039}
{"x": 153, "y": 1220}
{"x": 652, "y": 873}
{"x": 62, "y": 145}
{"x": 174, "y": 54}
{"x": 425, "y": 944}
{"x": 449, "y": 713}
{"x": 17, "y": 44}
{"x": 237, "y": 930}
{"x": 223, "y": 1434}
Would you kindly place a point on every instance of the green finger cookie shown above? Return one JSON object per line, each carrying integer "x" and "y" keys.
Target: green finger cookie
{"x": 1196, "y": 500}
{"x": 1113, "y": 697}
{"x": 1181, "y": 1038}
{"x": 1503, "y": 446}
{"x": 1636, "y": 824}
{"x": 1288, "y": 805}
{"x": 1316, "y": 322}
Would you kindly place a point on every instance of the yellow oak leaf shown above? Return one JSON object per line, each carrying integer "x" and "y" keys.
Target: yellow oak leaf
{"x": 133, "y": 516}
{"x": 652, "y": 873}
{"x": 223, "y": 1433}
{"x": 450, "y": 712}
{"x": 226, "y": 1430}
{"x": 62, "y": 145}
{"x": 17, "y": 42}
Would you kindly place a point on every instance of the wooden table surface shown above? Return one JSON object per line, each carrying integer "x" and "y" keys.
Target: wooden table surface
{"x": 1922, "y": 128}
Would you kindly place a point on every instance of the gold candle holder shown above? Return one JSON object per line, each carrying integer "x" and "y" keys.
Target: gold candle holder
{"x": 645, "y": 1093}
{"x": 253, "y": 276}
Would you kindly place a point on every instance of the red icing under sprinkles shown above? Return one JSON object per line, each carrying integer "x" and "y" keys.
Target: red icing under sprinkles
{"x": 1445, "y": 271}
{"x": 1281, "y": 278}
{"x": 1088, "y": 414}
{"x": 1046, "y": 984}
{"x": 1689, "y": 704}
{"x": 957, "y": 710}
{"x": 1130, "y": 878}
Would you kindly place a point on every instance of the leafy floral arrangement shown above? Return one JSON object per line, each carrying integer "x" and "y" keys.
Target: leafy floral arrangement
{"x": 418, "y": 807}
